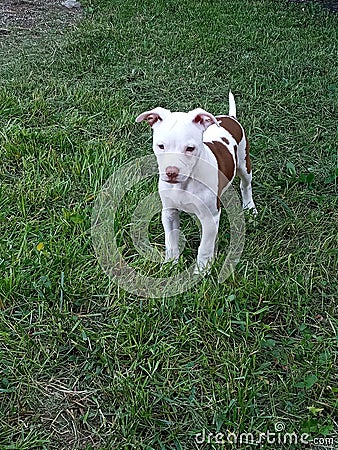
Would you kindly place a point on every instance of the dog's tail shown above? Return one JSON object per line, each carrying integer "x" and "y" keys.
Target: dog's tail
{"x": 232, "y": 105}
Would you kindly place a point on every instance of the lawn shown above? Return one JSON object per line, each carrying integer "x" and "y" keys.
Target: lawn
{"x": 87, "y": 364}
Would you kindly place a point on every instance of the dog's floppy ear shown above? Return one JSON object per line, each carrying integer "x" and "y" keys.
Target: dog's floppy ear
{"x": 154, "y": 116}
{"x": 203, "y": 118}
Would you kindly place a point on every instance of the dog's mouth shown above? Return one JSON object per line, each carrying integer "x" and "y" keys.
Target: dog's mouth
{"x": 172, "y": 181}
{"x": 179, "y": 179}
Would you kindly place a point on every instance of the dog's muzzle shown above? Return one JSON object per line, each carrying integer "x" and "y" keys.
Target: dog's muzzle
{"x": 172, "y": 174}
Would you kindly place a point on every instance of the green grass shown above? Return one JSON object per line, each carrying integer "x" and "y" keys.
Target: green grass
{"x": 85, "y": 364}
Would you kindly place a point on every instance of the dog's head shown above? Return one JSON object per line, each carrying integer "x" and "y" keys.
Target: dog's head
{"x": 177, "y": 140}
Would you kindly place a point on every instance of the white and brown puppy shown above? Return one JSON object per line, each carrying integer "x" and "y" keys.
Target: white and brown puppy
{"x": 198, "y": 155}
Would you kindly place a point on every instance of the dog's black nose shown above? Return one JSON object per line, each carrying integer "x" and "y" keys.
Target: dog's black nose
{"x": 172, "y": 172}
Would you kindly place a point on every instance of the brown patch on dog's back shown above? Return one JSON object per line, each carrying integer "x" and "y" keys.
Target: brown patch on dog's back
{"x": 226, "y": 165}
{"x": 232, "y": 126}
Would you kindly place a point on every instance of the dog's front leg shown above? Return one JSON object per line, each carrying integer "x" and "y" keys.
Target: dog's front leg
{"x": 206, "y": 249}
{"x": 171, "y": 225}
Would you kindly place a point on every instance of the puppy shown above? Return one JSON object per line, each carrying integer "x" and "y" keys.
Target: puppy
{"x": 198, "y": 155}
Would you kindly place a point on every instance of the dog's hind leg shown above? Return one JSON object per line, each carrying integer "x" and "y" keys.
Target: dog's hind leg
{"x": 246, "y": 190}
{"x": 245, "y": 174}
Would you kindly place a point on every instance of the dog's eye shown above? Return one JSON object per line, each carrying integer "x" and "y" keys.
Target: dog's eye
{"x": 161, "y": 146}
{"x": 190, "y": 149}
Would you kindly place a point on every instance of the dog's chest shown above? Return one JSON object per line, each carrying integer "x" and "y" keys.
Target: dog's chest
{"x": 192, "y": 196}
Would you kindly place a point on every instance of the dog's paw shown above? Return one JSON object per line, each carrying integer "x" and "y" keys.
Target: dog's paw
{"x": 172, "y": 260}
{"x": 202, "y": 269}
{"x": 251, "y": 209}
